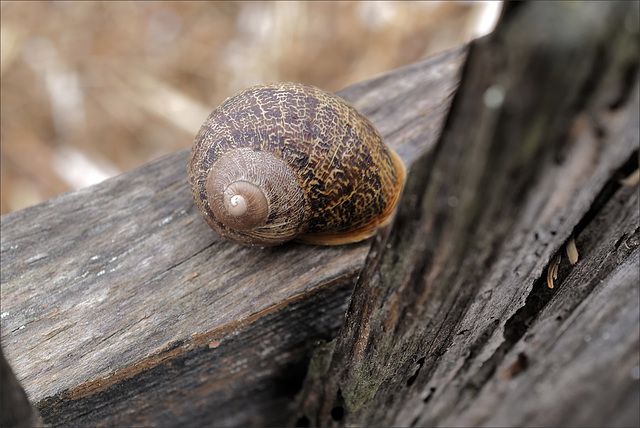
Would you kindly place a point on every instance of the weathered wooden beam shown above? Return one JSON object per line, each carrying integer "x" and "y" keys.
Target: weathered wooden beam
{"x": 452, "y": 321}
{"x": 120, "y": 306}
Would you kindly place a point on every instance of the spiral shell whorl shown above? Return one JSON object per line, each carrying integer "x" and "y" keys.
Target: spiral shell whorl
{"x": 255, "y": 198}
{"x": 243, "y": 206}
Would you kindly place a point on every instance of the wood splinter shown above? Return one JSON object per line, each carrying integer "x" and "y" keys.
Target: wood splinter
{"x": 631, "y": 179}
{"x": 552, "y": 273}
{"x": 572, "y": 251}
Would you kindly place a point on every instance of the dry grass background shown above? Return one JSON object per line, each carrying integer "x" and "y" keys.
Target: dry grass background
{"x": 92, "y": 89}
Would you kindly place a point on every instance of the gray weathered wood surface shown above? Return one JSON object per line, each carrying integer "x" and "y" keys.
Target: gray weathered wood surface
{"x": 120, "y": 306}
{"x": 451, "y": 322}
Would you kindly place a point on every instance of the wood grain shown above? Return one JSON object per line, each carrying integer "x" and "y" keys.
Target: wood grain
{"x": 451, "y": 322}
{"x": 121, "y": 306}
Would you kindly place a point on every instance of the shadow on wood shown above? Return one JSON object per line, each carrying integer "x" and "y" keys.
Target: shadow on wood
{"x": 15, "y": 409}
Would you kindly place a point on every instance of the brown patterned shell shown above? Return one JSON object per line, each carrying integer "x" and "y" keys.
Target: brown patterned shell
{"x": 291, "y": 161}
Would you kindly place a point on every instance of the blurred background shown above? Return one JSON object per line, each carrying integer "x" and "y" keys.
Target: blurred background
{"x": 93, "y": 89}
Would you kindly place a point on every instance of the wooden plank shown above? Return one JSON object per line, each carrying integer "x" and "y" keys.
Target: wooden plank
{"x": 121, "y": 306}
{"x": 452, "y": 322}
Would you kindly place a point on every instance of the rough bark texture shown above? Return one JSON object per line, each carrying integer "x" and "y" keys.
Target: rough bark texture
{"x": 452, "y": 321}
{"x": 121, "y": 307}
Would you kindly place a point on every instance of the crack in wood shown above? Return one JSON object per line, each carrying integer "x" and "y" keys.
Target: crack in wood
{"x": 540, "y": 295}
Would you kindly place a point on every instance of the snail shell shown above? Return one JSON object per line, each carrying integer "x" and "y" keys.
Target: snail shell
{"x": 290, "y": 161}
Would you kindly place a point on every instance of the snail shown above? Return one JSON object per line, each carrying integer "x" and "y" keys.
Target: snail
{"x": 289, "y": 161}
